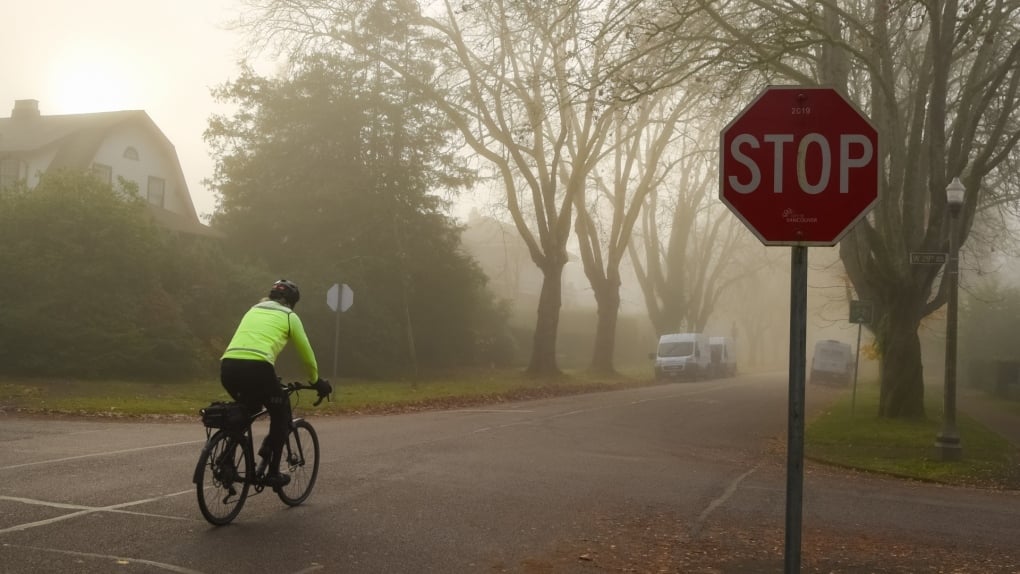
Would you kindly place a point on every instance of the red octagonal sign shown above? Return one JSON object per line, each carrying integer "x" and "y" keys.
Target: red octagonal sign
{"x": 799, "y": 166}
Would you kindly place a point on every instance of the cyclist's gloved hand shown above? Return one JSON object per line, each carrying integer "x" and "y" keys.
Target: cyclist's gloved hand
{"x": 323, "y": 387}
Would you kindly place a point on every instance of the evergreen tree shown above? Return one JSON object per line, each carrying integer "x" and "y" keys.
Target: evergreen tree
{"x": 328, "y": 175}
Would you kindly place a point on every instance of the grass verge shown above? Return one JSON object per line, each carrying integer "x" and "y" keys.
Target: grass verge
{"x": 856, "y": 438}
{"x": 108, "y": 398}
{"x": 134, "y": 399}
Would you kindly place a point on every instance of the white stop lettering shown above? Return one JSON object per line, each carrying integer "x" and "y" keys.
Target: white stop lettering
{"x": 848, "y": 144}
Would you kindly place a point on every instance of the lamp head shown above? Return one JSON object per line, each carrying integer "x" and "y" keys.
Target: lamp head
{"x": 954, "y": 193}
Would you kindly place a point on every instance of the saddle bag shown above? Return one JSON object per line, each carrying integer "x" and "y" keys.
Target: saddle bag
{"x": 221, "y": 415}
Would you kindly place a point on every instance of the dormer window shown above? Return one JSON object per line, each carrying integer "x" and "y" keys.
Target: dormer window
{"x": 131, "y": 153}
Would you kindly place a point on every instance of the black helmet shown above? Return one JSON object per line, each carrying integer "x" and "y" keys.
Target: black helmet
{"x": 286, "y": 291}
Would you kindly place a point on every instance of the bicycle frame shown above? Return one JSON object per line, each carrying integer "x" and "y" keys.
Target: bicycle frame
{"x": 243, "y": 439}
{"x": 223, "y": 486}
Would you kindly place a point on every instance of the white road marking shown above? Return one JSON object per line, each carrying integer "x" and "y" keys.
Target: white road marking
{"x": 732, "y": 488}
{"x": 83, "y": 510}
{"x": 95, "y": 454}
{"x": 44, "y": 503}
{"x": 311, "y": 568}
{"x": 121, "y": 560}
{"x": 578, "y": 412}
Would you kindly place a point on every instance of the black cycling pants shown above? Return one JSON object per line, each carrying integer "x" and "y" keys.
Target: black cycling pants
{"x": 254, "y": 384}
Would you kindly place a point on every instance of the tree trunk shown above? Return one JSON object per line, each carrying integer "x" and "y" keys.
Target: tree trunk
{"x": 607, "y": 296}
{"x": 543, "y": 351}
{"x": 902, "y": 394}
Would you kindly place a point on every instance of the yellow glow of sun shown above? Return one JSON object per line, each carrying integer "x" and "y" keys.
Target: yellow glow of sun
{"x": 90, "y": 79}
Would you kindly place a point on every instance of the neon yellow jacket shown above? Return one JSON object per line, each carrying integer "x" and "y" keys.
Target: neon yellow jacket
{"x": 264, "y": 332}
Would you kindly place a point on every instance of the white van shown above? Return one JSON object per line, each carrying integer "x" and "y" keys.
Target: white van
{"x": 724, "y": 357}
{"x": 833, "y": 362}
{"x": 682, "y": 355}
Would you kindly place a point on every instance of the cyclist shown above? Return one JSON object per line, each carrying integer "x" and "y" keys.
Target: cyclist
{"x": 247, "y": 369}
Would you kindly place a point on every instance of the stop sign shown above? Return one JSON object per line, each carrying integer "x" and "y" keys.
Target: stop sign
{"x": 799, "y": 166}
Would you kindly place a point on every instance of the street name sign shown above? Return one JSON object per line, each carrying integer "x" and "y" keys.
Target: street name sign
{"x": 860, "y": 312}
{"x": 927, "y": 258}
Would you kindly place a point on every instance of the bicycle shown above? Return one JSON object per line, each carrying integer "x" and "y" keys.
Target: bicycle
{"x": 226, "y": 470}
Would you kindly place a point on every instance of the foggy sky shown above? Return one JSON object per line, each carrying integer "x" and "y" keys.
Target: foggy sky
{"x": 161, "y": 56}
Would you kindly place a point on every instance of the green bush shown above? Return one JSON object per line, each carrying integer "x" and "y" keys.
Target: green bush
{"x": 96, "y": 289}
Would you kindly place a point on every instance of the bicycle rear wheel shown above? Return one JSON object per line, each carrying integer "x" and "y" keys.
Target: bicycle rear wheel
{"x": 300, "y": 460}
{"x": 220, "y": 478}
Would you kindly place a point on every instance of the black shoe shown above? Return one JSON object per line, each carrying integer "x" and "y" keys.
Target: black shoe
{"x": 276, "y": 480}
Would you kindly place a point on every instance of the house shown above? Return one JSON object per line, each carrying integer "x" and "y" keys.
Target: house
{"x": 112, "y": 145}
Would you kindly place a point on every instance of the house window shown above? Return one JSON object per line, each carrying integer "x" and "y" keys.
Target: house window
{"x": 131, "y": 153}
{"x": 103, "y": 173}
{"x": 156, "y": 191}
{"x": 10, "y": 172}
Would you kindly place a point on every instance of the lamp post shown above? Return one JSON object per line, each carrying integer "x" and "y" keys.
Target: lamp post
{"x": 947, "y": 442}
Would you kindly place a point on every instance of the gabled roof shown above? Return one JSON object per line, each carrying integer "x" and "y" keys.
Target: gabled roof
{"x": 77, "y": 138}
{"x": 36, "y": 133}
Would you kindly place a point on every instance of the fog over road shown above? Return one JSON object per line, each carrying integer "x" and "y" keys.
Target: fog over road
{"x": 515, "y": 487}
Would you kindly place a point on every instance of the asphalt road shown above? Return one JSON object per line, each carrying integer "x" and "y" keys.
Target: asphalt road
{"x": 538, "y": 486}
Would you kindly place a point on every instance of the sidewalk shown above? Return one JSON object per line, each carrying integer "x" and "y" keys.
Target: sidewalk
{"x": 991, "y": 412}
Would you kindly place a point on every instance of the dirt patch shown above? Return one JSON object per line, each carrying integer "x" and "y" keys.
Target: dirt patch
{"x": 658, "y": 543}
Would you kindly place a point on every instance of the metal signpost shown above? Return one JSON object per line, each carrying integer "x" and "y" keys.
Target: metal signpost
{"x": 339, "y": 298}
{"x": 860, "y": 313}
{"x": 799, "y": 166}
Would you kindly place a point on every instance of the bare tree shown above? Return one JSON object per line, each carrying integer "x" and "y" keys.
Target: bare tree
{"x": 633, "y": 169}
{"x": 687, "y": 253}
{"x": 532, "y": 86}
{"x": 761, "y": 330}
{"x": 940, "y": 81}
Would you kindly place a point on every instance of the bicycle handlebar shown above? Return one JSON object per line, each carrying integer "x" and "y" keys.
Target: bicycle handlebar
{"x": 298, "y": 386}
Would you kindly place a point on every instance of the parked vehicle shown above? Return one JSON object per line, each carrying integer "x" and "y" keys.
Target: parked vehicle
{"x": 682, "y": 356}
{"x": 724, "y": 356}
{"x": 833, "y": 362}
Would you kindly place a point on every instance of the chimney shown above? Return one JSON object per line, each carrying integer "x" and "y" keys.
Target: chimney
{"x": 25, "y": 109}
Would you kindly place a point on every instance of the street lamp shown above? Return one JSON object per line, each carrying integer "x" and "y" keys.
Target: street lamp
{"x": 947, "y": 443}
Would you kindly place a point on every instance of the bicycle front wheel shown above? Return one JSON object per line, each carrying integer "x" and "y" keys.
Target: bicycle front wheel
{"x": 300, "y": 460}
{"x": 220, "y": 478}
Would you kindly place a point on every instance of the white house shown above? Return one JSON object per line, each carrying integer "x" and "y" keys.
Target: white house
{"x": 112, "y": 145}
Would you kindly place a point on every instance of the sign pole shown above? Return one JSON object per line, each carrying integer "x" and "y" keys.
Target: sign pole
{"x": 860, "y": 313}
{"x": 800, "y": 167}
{"x": 857, "y": 362}
{"x": 795, "y": 428}
{"x": 339, "y": 298}
{"x": 336, "y": 342}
